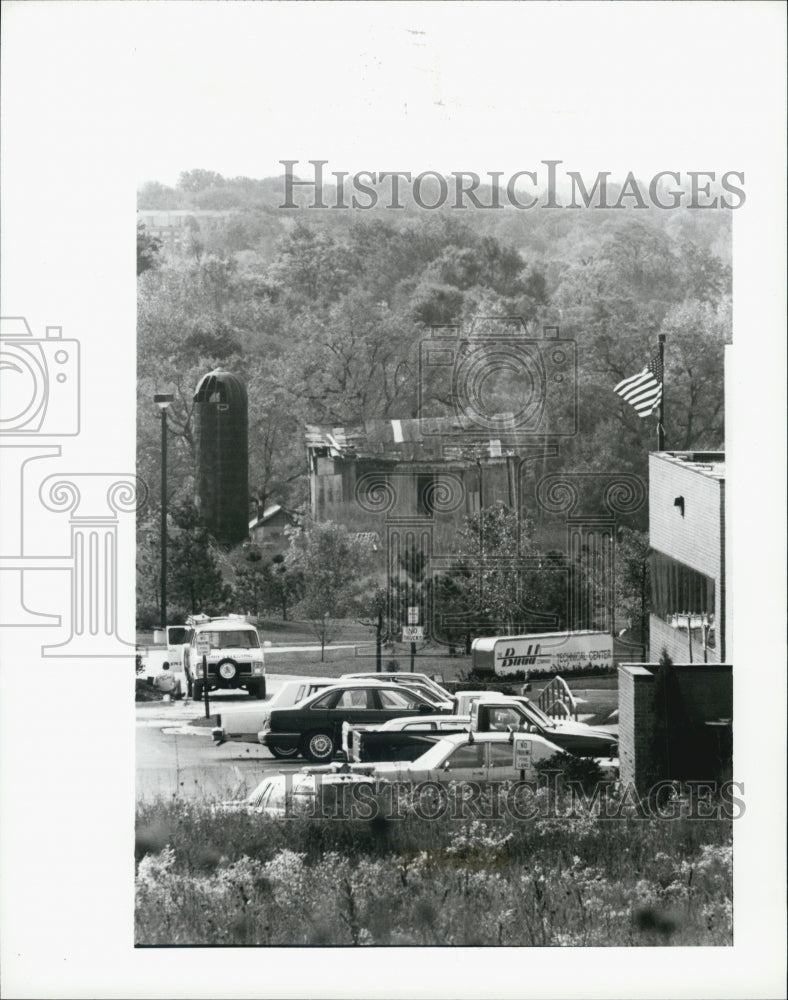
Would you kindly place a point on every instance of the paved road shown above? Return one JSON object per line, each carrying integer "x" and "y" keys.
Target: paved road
{"x": 175, "y": 758}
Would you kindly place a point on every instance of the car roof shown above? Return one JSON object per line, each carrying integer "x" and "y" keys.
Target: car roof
{"x": 392, "y": 673}
{"x": 410, "y": 720}
{"x": 224, "y": 625}
{"x": 497, "y": 736}
{"x": 364, "y": 682}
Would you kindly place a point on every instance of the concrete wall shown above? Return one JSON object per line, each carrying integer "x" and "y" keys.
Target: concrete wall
{"x": 696, "y": 539}
{"x": 663, "y": 636}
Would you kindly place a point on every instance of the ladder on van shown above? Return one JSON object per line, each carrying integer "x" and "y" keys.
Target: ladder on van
{"x": 557, "y": 701}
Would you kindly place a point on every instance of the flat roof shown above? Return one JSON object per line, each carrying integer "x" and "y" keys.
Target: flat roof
{"x": 705, "y": 463}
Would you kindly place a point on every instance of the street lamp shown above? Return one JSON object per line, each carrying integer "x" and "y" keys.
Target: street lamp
{"x": 163, "y": 400}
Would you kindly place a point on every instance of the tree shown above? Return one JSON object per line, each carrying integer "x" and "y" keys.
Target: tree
{"x": 502, "y": 581}
{"x": 199, "y": 180}
{"x": 334, "y": 565}
{"x": 251, "y": 581}
{"x": 193, "y": 573}
{"x": 147, "y": 250}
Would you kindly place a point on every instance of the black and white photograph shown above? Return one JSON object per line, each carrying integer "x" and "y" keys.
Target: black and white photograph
{"x": 400, "y": 390}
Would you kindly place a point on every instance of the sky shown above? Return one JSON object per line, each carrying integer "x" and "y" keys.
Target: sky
{"x": 434, "y": 86}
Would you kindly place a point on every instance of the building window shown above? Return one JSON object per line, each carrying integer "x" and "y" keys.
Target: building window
{"x": 678, "y": 590}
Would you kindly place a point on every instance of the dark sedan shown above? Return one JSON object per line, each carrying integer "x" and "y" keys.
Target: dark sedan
{"x": 314, "y": 727}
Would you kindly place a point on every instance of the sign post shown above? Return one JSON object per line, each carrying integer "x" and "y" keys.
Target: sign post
{"x": 205, "y": 686}
{"x": 412, "y": 631}
{"x": 523, "y": 756}
{"x": 202, "y": 648}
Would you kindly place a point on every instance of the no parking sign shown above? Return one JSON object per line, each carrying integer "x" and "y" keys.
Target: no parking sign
{"x": 523, "y": 754}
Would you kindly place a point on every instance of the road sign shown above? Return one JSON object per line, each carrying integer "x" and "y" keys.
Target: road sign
{"x": 523, "y": 754}
{"x": 202, "y": 645}
{"x": 412, "y": 633}
{"x": 413, "y": 616}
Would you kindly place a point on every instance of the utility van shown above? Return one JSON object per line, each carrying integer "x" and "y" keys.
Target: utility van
{"x": 233, "y": 651}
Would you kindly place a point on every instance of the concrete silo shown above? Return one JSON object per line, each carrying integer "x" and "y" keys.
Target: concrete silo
{"x": 223, "y": 460}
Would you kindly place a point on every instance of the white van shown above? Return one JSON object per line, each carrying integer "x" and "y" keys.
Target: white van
{"x": 234, "y": 655}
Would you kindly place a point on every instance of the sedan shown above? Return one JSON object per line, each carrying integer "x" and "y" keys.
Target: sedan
{"x": 315, "y": 726}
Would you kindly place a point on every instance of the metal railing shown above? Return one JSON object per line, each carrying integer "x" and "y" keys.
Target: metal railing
{"x": 557, "y": 701}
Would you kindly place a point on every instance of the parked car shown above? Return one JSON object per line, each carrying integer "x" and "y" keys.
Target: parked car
{"x": 398, "y": 739}
{"x": 419, "y": 682}
{"x": 404, "y": 739}
{"x": 315, "y": 726}
{"x": 463, "y": 756}
{"x": 299, "y": 793}
{"x": 243, "y": 724}
{"x": 575, "y": 737}
{"x": 470, "y": 756}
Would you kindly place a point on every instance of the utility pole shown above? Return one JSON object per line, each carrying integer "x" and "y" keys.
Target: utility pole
{"x": 661, "y": 415}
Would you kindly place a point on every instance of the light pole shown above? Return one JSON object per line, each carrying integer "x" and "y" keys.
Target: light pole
{"x": 163, "y": 400}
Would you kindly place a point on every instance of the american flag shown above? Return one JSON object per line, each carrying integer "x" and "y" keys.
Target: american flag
{"x": 644, "y": 390}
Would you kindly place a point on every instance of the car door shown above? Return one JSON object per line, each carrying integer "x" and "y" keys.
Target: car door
{"x": 500, "y": 763}
{"x": 466, "y": 762}
{"x": 356, "y": 706}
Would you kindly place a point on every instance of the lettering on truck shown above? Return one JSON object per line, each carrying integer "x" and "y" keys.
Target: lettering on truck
{"x": 528, "y": 659}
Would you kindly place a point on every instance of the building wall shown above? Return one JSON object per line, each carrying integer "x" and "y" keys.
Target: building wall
{"x": 693, "y": 539}
{"x": 700, "y": 693}
{"x": 365, "y": 494}
{"x": 635, "y": 725}
{"x": 662, "y": 636}
{"x": 696, "y": 539}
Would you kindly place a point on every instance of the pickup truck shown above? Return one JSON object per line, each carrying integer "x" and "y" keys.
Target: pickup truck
{"x": 404, "y": 739}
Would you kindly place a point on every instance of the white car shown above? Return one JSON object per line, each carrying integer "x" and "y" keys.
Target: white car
{"x": 295, "y": 794}
{"x": 466, "y": 757}
{"x": 417, "y": 682}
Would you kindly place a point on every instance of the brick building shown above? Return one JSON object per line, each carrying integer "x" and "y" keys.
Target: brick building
{"x": 687, "y": 564}
{"x": 675, "y": 723}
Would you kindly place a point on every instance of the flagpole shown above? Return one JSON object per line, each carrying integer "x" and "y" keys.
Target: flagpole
{"x": 661, "y": 415}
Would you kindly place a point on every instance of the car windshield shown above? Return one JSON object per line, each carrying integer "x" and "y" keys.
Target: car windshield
{"x": 259, "y": 797}
{"x": 233, "y": 639}
{"x": 537, "y": 714}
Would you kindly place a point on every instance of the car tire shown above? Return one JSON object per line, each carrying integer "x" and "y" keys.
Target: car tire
{"x": 257, "y": 689}
{"x": 319, "y": 746}
{"x": 228, "y": 670}
{"x": 197, "y": 690}
{"x": 284, "y": 754}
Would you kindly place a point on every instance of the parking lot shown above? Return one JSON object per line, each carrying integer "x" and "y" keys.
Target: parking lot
{"x": 176, "y": 758}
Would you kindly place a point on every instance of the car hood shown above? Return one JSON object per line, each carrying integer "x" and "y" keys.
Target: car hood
{"x": 573, "y": 728}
